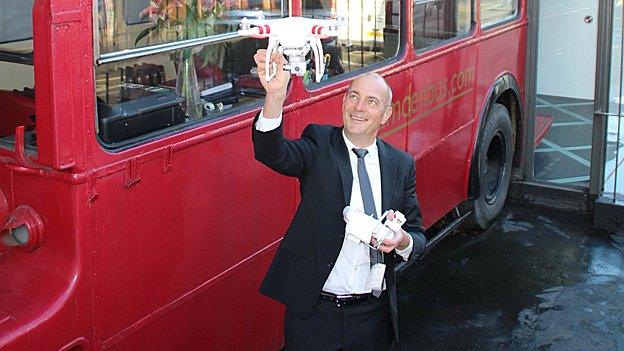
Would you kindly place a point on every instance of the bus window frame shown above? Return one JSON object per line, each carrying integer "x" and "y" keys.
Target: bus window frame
{"x": 503, "y": 21}
{"x": 178, "y": 129}
{"x": 144, "y": 139}
{"x": 97, "y": 53}
{"x": 400, "y": 56}
{"x": 469, "y": 34}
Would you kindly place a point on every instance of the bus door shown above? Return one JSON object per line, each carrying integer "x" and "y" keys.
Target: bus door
{"x": 437, "y": 105}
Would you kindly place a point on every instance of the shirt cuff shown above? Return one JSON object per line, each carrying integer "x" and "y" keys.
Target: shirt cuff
{"x": 268, "y": 124}
{"x": 405, "y": 253}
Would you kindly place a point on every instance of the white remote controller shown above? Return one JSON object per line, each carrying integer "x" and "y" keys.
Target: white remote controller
{"x": 397, "y": 222}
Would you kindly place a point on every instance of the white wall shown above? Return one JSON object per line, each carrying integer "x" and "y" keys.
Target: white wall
{"x": 567, "y": 48}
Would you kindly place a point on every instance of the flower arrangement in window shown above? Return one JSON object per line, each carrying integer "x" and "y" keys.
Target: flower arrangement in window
{"x": 187, "y": 19}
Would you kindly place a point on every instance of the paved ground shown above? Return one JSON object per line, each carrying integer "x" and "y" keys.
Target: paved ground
{"x": 537, "y": 280}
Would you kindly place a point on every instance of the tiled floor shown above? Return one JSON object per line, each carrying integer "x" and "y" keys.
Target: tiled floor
{"x": 564, "y": 154}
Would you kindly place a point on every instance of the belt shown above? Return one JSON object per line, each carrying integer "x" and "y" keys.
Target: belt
{"x": 346, "y": 300}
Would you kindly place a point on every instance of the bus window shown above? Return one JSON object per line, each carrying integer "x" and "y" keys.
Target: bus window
{"x": 140, "y": 97}
{"x": 496, "y": 11}
{"x": 436, "y": 21}
{"x": 17, "y": 98}
{"x": 128, "y": 24}
{"x": 370, "y": 34}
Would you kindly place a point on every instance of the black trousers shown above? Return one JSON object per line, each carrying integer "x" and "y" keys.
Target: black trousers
{"x": 363, "y": 327}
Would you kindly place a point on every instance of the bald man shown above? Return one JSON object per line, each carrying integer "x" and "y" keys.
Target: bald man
{"x": 323, "y": 278}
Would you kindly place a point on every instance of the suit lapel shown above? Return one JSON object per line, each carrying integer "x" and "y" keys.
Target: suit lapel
{"x": 341, "y": 156}
{"x": 386, "y": 166}
{"x": 388, "y": 174}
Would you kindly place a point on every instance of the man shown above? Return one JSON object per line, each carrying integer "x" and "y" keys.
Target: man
{"x": 319, "y": 274}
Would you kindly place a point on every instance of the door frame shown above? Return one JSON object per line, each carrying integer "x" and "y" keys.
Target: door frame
{"x": 601, "y": 97}
{"x": 608, "y": 213}
{"x": 601, "y": 103}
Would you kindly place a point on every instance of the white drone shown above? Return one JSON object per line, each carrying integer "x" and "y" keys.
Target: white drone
{"x": 294, "y": 36}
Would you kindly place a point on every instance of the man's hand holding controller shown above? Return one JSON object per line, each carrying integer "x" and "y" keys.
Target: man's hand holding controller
{"x": 382, "y": 236}
{"x": 399, "y": 239}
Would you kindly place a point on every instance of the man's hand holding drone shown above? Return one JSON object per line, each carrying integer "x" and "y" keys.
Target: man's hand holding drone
{"x": 279, "y": 83}
{"x": 294, "y": 37}
{"x": 275, "y": 88}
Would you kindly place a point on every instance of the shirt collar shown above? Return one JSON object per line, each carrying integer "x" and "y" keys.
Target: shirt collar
{"x": 372, "y": 148}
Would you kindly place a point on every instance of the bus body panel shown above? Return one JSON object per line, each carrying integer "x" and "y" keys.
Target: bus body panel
{"x": 50, "y": 287}
{"x": 163, "y": 246}
{"x": 220, "y": 316}
{"x": 492, "y": 65}
{"x": 441, "y": 94}
{"x": 184, "y": 236}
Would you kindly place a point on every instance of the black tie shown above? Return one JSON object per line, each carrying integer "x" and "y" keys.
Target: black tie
{"x": 367, "y": 194}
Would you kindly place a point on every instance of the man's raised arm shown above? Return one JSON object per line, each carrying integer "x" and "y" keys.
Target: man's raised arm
{"x": 277, "y": 87}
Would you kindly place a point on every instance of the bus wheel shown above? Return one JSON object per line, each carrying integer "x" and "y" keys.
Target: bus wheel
{"x": 495, "y": 159}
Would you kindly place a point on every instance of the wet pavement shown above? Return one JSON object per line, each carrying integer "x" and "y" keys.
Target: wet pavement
{"x": 538, "y": 279}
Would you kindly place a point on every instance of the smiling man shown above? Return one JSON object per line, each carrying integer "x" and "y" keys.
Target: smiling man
{"x": 326, "y": 280}
{"x": 366, "y": 106}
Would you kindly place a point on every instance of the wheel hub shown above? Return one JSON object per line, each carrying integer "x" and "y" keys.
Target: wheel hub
{"x": 494, "y": 167}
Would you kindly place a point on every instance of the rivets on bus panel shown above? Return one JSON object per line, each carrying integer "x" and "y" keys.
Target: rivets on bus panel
{"x": 131, "y": 172}
{"x": 168, "y": 165}
{"x": 92, "y": 194}
{"x": 4, "y": 209}
{"x": 24, "y": 229}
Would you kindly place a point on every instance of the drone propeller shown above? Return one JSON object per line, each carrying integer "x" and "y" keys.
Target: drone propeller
{"x": 261, "y": 29}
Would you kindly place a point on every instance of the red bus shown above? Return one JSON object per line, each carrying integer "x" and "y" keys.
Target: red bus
{"x": 118, "y": 185}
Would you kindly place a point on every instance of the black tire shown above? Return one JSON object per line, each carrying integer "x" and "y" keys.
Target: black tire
{"x": 494, "y": 157}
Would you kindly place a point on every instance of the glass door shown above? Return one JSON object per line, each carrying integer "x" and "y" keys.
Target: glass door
{"x": 564, "y": 105}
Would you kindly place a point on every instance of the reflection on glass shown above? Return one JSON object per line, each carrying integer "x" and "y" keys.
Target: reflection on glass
{"x": 15, "y": 20}
{"x": 370, "y": 34}
{"x": 129, "y": 24}
{"x": 493, "y": 11}
{"x": 140, "y": 98}
{"x": 440, "y": 20}
{"x": 17, "y": 95}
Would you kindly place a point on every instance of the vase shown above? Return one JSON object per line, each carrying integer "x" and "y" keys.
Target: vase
{"x": 187, "y": 86}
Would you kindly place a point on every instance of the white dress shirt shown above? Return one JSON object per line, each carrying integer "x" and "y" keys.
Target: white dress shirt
{"x": 349, "y": 274}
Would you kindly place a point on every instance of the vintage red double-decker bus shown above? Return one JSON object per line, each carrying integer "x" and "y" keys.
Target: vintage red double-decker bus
{"x": 118, "y": 187}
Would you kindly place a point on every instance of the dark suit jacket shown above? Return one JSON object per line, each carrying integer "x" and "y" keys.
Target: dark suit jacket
{"x": 310, "y": 247}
